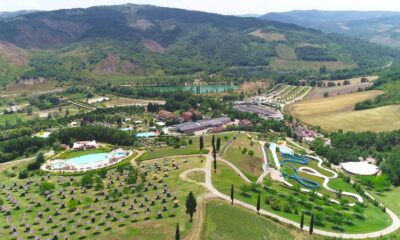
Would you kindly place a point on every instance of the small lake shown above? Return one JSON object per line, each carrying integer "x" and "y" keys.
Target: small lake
{"x": 215, "y": 88}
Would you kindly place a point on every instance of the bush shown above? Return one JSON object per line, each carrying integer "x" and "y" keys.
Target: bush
{"x": 23, "y": 174}
{"x": 251, "y": 153}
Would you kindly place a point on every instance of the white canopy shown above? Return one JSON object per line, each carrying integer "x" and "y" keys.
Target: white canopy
{"x": 360, "y": 168}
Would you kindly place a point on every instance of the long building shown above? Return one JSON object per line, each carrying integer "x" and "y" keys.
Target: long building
{"x": 260, "y": 110}
{"x": 191, "y": 127}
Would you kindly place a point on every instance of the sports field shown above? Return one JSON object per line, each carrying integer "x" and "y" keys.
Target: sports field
{"x": 334, "y": 113}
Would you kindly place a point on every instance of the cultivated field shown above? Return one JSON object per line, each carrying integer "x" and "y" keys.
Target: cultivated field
{"x": 269, "y": 36}
{"x": 282, "y": 64}
{"x": 131, "y": 102}
{"x": 336, "y": 113}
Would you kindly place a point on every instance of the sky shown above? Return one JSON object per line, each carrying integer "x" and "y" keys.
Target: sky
{"x": 232, "y": 7}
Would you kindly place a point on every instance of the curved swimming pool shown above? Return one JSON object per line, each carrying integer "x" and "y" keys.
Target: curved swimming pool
{"x": 90, "y": 160}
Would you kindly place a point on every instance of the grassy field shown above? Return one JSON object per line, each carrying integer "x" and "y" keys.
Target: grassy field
{"x": 391, "y": 199}
{"x": 283, "y": 64}
{"x": 285, "y": 52}
{"x": 334, "y": 113}
{"x": 356, "y": 80}
{"x": 373, "y": 220}
{"x": 269, "y": 36}
{"x": 251, "y": 166}
{"x": 12, "y": 118}
{"x": 190, "y": 149}
{"x": 131, "y": 102}
{"x": 78, "y": 223}
{"x": 222, "y": 224}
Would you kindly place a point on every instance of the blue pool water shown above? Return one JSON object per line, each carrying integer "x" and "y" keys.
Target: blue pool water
{"x": 88, "y": 159}
{"x": 146, "y": 134}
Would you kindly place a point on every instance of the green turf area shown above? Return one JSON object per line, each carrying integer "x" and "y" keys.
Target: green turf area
{"x": 285, "y": 201}
{"x": 251, "y": 166}
{"x": 198, "y": 176}
{"x": 12, "y": 118}
{"x": 189, "y": 149}
{"x": 222, "y": 223}
{"x": 390, "y": 199}
{"x": 124, "y": 223}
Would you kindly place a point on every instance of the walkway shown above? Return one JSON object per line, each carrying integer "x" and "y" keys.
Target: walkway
{"x": 208, "y": 184}
{"x": 392, "y": 228}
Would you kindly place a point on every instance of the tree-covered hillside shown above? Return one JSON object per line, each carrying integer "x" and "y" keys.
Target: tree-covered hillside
{"x": 137, "y": 40}
{"x": 375, "y": 26}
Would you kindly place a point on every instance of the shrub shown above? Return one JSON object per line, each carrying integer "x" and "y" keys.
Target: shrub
{"x": 23, "y": 174}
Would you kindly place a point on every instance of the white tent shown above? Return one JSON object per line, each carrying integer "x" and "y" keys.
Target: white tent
{"x": 360, "y": 168}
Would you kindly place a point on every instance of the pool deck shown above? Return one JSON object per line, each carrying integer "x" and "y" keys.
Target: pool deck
{"x": 83, "y": 167}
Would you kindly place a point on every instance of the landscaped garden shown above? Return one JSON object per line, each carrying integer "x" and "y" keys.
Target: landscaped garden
{"x": 123, "y": 202}
{"x": 291, "y": 202}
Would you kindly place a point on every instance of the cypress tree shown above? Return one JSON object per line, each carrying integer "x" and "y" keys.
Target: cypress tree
{"x": 302, "y": 220}
{"x": 191, "y": 205}
{"x": 232, "y": 194}
{"x": 258, "y": 203}
{"x": 213, "y": 140}
{"x": 177, "y": 234}
{"x": 201, "y": 143}
{"x": 218, "y": 144}
{"x": 215, "y": 159}
{"x": 312, "y": 223}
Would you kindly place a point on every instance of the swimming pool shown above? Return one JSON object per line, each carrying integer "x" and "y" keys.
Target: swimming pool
{"x": 88, "y": 161}
{"x": 146, "y": 134}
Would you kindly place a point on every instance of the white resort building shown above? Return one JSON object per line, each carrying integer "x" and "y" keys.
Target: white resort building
{"x": 84, "y": 145}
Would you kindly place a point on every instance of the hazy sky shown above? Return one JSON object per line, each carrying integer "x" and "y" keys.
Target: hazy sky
{"x": 218, "y": 6}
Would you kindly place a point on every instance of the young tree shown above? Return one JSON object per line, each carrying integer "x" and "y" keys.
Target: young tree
{"x": 191, "y": 205}
{"x": 258, "y": 203}
{"x": 302, "y": 220}
{"x": 177, "y": 234}
{"x": 218, "y": 144}
{"x": 232, "y": 194}
{"x": 312, "y": 223}
{"x": 201, "y": 143}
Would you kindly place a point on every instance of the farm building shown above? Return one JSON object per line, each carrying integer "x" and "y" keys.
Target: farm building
{"x": 188, "y": 116}
{"x": 260, "y": 110}
{"x": 165, "y": 116}
{"x": 191, "y": 127}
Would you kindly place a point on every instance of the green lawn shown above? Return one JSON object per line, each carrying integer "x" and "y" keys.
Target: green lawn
{"x": 12, "y": 118}
{"x": 391, "y": 199}
{"x": 189, "y": 149}
{"x": 251, "y": 166}
{"x": 374, "y": 220}
{"x": 222, "y": 223}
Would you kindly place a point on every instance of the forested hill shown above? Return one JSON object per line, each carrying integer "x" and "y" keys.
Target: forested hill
{"x": 141, "y": 40}
{"x": 375, "y": 26}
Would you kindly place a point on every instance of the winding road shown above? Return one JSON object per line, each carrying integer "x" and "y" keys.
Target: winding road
{"x": 208, "y": 184}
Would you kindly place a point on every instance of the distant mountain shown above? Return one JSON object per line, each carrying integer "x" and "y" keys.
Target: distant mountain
{"x": 375, "y": 26}
{"x": 6, "y": 15}
{"x": 153, "y": 41}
